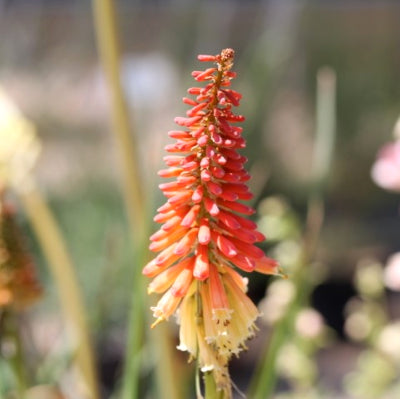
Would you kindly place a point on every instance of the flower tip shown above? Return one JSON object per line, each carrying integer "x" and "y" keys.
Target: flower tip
{"x": 206, "y": 58}
{"x": 158, "y": 321}
{"x": 207, "y": 367}
{"x": 145, "y": 273}
{"x": 182, "y": 347}
{"x": 150, "y": 269}
{"x": 150, "y": 290}
{"x": 201, "y": 275}
{"x": 282, "y": 274}
{"x": 227, "y": 54}
{"x": 266, "y": 265}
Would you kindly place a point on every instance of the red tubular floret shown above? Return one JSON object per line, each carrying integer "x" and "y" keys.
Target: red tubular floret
{"x": 206, "y": 58}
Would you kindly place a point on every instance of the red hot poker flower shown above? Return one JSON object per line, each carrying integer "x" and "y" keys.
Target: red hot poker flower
{"x": 205, "y": 234}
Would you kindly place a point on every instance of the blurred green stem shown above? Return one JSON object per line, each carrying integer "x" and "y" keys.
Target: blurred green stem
{"x": 167, "y": 383}
{"x": 10, "y": 332}
{"x": 108, "y": 45}
{"x": 107, "y": 41}
{"x": 324, "y": 143}
{"x": 62, "y": 269}
{"x": 263, "y": 384}
{"x": 324, "y": 146}
{"x": 198, "y": 383}
{"x": 210, "y": 387}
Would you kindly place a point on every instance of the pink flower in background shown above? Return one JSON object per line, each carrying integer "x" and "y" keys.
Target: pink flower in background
{"x": 386, "y": 174}
{"x": 386, "y": 169}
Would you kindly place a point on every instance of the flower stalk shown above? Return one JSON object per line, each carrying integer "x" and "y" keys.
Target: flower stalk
{"x": 62, "y": 269}
{"x": 9, "y": 332}
{"x": 108, "y": 45}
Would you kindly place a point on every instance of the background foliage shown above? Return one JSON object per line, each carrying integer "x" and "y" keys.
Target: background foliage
{"x": 49, "y": 65}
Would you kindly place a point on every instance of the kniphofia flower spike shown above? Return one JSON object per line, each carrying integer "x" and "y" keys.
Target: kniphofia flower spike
{"x": 205, "y": 235}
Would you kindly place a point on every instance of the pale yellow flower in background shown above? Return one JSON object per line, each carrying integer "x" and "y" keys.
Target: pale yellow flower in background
{"x": 19, "y": 147}
{"x": 388, "y": 341}
{"x": 19, "y": 152}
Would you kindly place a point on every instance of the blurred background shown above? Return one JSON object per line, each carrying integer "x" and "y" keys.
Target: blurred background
{"x": 50, "y": 67}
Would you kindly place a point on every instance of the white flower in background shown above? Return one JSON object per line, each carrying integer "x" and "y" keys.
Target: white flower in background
{"x": 309, "y": 323}
{"x": 280, "y": 293}
{"x": 358, "y": 325}
{"x": 369, "y": 278}
{"x": 295, "y": 364}
{"x": 19, "y": 147}
{"x": 391, "y": 274}
{"x": 389, "y": 340}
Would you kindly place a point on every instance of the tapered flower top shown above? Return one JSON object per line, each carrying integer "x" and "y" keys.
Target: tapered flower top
{"x": 205, "y": 237}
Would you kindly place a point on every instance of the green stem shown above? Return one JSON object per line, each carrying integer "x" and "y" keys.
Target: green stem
{"x": 18, "y": 363}
{"x": 62, "y": 269}
{"x": 266, "y": 372}
{"x": 107, "y": 40}
{"x": 167, "y": 385}
{"x": 263, "y": 384}
{"x": 10, "y": 332}
{"x": 198, "y": 382}
{"x": 210, "y": 387}
{"x": 109, "y": 49}
{"x": 135, "y": 201}
{"x": 325, "y": 127}
{"x": 132, "y": 367}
